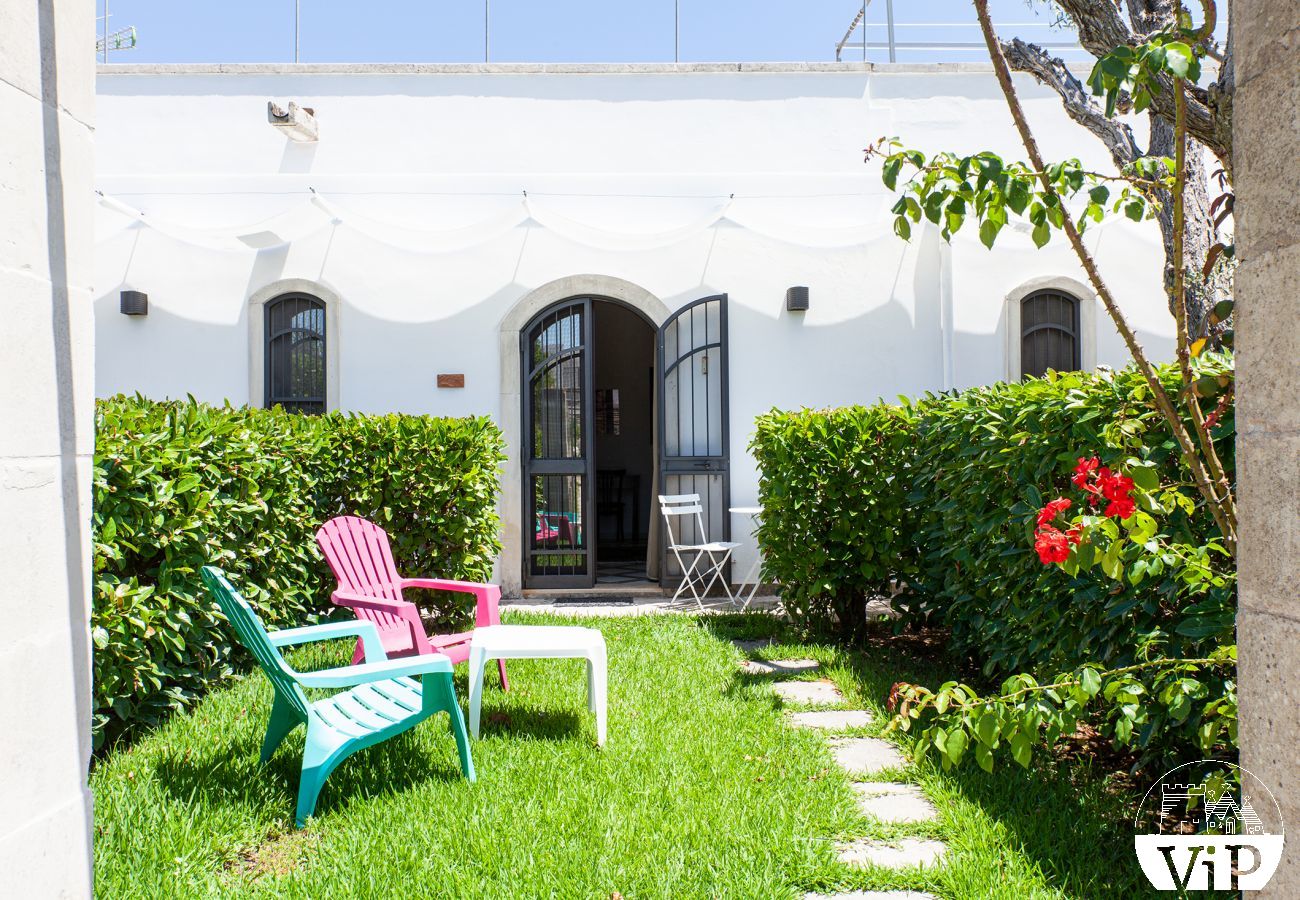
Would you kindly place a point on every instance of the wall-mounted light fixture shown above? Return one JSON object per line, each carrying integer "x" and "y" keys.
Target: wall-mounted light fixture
{"x": 297, "y": 123}
{"x": 796, "y": 299}
{"x": 135, "y": 303}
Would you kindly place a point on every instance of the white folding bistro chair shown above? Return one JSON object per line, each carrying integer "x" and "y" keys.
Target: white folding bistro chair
{"x": 718, "y": 553}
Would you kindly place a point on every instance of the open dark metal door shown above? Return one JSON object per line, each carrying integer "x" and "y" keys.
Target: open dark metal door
{"x": 694, "y": 422}
{"x": 557, "y": 454}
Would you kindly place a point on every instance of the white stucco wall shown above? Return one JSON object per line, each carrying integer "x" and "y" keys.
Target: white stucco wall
{"x": 445, "y": 146}
{"x": 46, "y": 426}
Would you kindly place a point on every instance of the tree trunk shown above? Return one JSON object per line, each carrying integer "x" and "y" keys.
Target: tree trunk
{"x": 1199, "y": 233}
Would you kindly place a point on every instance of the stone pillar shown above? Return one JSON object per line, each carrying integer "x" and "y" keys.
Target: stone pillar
{"x": 1266, "y": 135}
{"x": 47, "y": 84}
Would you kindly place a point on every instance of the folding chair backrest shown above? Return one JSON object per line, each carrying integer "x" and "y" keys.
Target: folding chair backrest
{"x": 678, "y": 505}
{"x": 252, "y": 634}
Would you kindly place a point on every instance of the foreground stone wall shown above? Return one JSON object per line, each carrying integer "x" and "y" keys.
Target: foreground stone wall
{"x": 1265, "y": 137}
{"x": 46, "y": 425}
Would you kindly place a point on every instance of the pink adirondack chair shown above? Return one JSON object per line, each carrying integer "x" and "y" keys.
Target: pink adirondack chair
{"x": 360, "y": 557}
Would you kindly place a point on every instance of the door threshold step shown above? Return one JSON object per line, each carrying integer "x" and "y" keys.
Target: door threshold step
{"x": 613, "y": 592}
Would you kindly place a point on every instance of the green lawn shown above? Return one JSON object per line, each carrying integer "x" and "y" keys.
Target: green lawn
{"x": 701, "y": 791}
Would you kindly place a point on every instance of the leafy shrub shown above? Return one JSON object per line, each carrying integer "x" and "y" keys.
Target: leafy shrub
{"x": 836, "y": 526}
{"x": 178, "y": 485}
{"x": 984, "y": 460}
{"x": 973, "y": 470}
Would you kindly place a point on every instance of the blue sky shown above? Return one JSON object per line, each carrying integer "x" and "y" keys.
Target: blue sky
{"x": 542, "y": 30}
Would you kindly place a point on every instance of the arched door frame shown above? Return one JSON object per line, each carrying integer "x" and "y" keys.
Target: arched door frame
{"x": 510, "y": 571}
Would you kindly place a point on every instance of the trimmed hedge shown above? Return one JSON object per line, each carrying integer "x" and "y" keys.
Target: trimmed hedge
{"x": 836, "y": 526}
{"x": 178, "y": 485}
{"x": 955, "y": 523}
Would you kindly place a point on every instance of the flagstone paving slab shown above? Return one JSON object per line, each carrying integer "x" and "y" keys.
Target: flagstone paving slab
{"x": 832, "y": 719}
{"x": 813, "y": 693}
{"x": 891, "y": 802}
{"x": 873, "y": 895}
{"x": 749, "y": 646}
{"x": 866, "y": 756}
{"x": 778, "y": 666}
{"x": 902, "y": 854}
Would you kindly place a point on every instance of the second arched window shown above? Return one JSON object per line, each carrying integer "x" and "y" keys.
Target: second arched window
{"x": 295, "y": 353}
{"x": 1049, "y": 333}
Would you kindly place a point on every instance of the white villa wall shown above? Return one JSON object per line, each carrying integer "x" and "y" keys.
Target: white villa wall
{"x": 446, "y": 146}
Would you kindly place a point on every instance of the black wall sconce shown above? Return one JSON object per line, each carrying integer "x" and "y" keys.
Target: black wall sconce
{"x": 796, "y": 299}
{"x": 135, "y": 303}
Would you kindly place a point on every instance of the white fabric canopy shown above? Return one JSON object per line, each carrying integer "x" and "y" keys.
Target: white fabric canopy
{"x": 606, "y": 222}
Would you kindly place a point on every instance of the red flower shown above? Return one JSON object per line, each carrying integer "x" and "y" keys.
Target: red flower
{"x": 1074, "y": 536}
{"x": 1121, "y": 507}
{"x": 1052, "y": 545}
{"x": 1083, "y": 471}
{"x": 1052, "y": 510}
{"x": 1116, "y": 487}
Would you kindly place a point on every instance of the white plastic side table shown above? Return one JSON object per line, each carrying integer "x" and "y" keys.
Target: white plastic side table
{"x": 539, "y": 642}
{"x": 754, "y": 512}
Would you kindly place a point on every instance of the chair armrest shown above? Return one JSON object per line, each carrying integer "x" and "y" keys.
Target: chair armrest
{"x": 369, "y": 601}
{"x": 488, "y": 596}
{"x": 444, "y": 584}
{"x": 349, "y": 676}
{"x": 330, "y": 630}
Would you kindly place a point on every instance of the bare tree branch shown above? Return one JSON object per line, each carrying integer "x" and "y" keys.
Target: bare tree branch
{"x": 1052, "y": 72}
{"x": 1102, "y": 28}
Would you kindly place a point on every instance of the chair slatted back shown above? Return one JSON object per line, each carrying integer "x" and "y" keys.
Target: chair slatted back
{"x": 359, "y": 555}
{"x": 252, "y": 634}
{"x": 677, "y": 505}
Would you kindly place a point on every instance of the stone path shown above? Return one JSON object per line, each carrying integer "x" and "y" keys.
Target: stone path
{"x": 899, "y": 854}
{"x": 866, "y": 756}
{"x": 889, "y": 802}
{"x": 873, "y": 895}
{"x": 778, "y": 666}
{"x": 812, "y": 693}
{"x": 894, "y": 803}
{"x": 832, "y": 719}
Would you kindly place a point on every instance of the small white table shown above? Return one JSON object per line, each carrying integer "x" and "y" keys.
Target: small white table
{"x": 539, "y": 642}
{"x": 753, "y": 512}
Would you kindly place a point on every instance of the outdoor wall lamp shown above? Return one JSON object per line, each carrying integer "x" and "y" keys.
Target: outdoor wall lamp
{"x": 135, "y": 303}
{"x": 297, "y": 123}
{"x": 796, "y": 299}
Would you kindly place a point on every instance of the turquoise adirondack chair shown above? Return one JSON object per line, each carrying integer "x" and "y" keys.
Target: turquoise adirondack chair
{"x": 381, "y": 700}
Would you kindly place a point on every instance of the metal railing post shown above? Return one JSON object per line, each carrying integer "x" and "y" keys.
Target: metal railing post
{"x": 487, "y": 29}
{"x": 864, "y": 30}
{"x": 677, "y": 31}
{"x": 889, "y": 20}
{"x": 297, "y": 27}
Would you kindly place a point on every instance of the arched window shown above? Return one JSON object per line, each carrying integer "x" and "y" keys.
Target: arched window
{"x": 1049, "y": 333}
{"x": 295, "y": 353}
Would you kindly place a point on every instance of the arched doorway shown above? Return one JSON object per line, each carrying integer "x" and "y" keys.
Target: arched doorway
{"x": 588, "y": 413}
{"x": 688, "y": 405}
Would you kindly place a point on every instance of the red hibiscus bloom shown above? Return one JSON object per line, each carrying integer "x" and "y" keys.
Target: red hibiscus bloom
{"x": 1116, "y": 487}
{"x": 1074, "y": 536}
{"x": 1052, "y": 546}
{"x": 1052, "y": 510}
{"x": 1121, "y": 507}
{"x": 1083, "y": 471}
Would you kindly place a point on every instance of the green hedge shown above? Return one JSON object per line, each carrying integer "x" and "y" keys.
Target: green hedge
{"x": 181, "y": 484}
{"x": 836, "y": 524}
{"x": 955, "y": 523}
